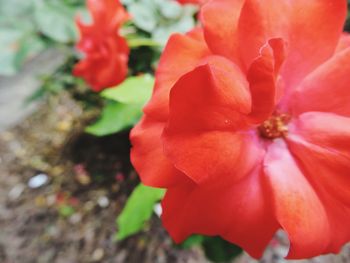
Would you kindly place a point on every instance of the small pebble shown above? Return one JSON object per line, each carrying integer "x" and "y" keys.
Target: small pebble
{"x": 103, "y": 202}
{"x": 51, "y": 200}
{"x": 38, "y": 181}
{"x": 75, "y": 218}
{"x": 40, "y": 201}
{"x": 64, "y": 126}
{"x": 57, "y": 170}
{"x": 89, "y": 205}
{"x": 158, "y": 209}
{"x": 53, "y": 231}
{"x": 16, "y": 192}
{"x": 98, "y": 255}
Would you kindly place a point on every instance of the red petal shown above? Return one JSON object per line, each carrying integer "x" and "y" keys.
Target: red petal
{"x": 262, "y": 77}
{"x": 238, "y": 212}
{"x": 106, "y": 53}
{"x": 322, "y": 143}
{"x": 298, "y": 208}
{"x": 211, "y": 156}
{"x": 107, "y": 14}
{"x": 220, "y": 21}
{"x": 148, "y": 158}
{"x": 344, "y": 42}
{"x": 301, "y": 24}
{"x": 182, "y": 54}
{"x": 105, "y": 65}
{"x": 213, "y": 96}
{"x": 206, "y": 107}
{"x": 327, "y": 88}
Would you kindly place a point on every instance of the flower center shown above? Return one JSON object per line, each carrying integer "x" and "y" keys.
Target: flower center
{"x": 275, "y": 126}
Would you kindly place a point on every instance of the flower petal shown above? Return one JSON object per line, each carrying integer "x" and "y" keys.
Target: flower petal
{"x": 207, "y": 105}
{"x": 221, "y": 30}
{"x": 147, "y": 155}
{"x": 301, "y": 24}
{"x": 104, "y": 69}
{"x": 211, "y": 156}
{"x": 262, "y": 77}
{"x": 182, "y": 54}
{"x": 344, "y": 42}
{"x": 298, "y": 208}
{"x": 237, "y": 212}
{"x": 327, "y": 88}
{"x": 323, "y": 152}
{"x": 213, "y": 96}
{"x": 322, "y": 143}
{"x": 107, "y": 14}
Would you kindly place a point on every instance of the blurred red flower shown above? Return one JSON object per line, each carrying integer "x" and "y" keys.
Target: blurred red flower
{"x": 248, "y": 128}
{"x": 106, "y": 52}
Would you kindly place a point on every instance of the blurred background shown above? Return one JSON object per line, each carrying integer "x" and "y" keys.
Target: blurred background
{"x": 65, "y": 173}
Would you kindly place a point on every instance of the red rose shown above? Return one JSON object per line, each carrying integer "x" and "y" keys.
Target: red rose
{"x": 106, "y": 52}
{"x": 248, "y": 128}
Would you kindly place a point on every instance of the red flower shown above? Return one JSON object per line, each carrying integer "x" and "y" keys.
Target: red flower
{"x": 106, "y": 52}
{"x": 248, "y": 128}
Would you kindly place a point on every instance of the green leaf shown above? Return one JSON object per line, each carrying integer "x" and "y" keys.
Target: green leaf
{"x": 55, "y": 20}
{"x": 66, "y": 210}
{"x": 132, "y": 90}
{"x": 217, "y": 249}
{"x": 137, "y": 210}
{"x": 194, "y": 240}
{"x": 171, "y": 10}
{"x": 15, "y": 8}
{"x": 29, "y": 46}
{"x": 9, "y": 39}
{"x": 115, "y": 117}
{"x": 143, "y": 42}
{"x": 144, "y": 16}
{"x": 162, "y": 33}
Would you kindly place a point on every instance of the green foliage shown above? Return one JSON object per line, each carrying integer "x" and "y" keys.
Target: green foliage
{"x": 62, "y": 79}
{"x": 136, "y": 41}
{"x": 29, "y": 27}
{"x": 216, "y": 249}
{"x": 137, "y": 210}
{"x": 195, "y": 240}
{"x": 219, "y": 250}
{"x": 9, "y": 47}
{"x": 143, "y": 60}
{"x": 132, "y": 90}
{"x": 18, "y": 40}
{"x": 124, "y": 107}
{"x": 115, "y": 117}
{"x": 347, "y": 24}
{"x": 161, "y": 18}
{"x": 54, "y": 19}
{"x": 66, "y": 210}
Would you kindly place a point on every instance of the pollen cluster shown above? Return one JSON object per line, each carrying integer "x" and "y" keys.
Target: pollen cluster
{"x": 275, "y": 126}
